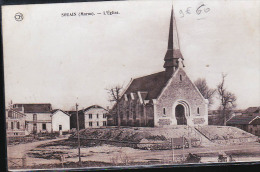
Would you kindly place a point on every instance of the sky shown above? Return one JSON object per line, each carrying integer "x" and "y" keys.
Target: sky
{"x": 64, "y": 60}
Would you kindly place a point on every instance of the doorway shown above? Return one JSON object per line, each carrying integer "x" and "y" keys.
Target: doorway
{"x": 180, "y": 115}
{"x": 34, "y": 128}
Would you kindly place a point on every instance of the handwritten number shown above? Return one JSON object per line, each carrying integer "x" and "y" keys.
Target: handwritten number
{"x": 181, "y": 12}
{"x": 202, "y": 8}
{"x": 188, "y": 10}
{"x": 207, "y": 10}
{"x": 198, "y": 11}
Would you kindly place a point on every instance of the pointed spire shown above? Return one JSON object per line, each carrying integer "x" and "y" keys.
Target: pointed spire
{"x": 173, "y": 53}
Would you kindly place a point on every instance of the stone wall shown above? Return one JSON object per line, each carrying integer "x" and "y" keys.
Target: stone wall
{"x": 180, "y": 89}
{"x": 236, "y": 141}
{"x": 133, "y": 113}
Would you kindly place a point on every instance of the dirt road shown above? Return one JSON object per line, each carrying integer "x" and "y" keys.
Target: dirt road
{"x": 18, "y": 151}
{"x": 161, "y": 154}
{"x": 251, "y": 151}
{"x": 106, "y": 153}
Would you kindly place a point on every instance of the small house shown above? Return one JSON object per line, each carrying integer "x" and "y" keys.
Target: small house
{"x": 95, "y": 116}
{"x": 37, "y": 117}
{"x": 15, "y": 123}
{"x": 60, "y": 120}
{"x": 246, "y": 122}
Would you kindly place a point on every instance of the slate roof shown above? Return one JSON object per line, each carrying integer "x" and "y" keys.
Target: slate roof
{"x": 241, "y": 119}
{"x": 152, "y": 84}
{"x": 36, "y": 108}
{"x": 252, "y": 110}
{"x": 143, "y": 95}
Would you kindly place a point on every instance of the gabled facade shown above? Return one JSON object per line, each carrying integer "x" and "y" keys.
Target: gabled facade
{"x": 165, "y": 98}
{"x": 95, "y": 117}
{"x": 40, "y": 118}
{"x": 37, "y": 117}
{"x": 15, "y": 123}
{"x": 60, "y": 120}
{"x": 180, "y": 103}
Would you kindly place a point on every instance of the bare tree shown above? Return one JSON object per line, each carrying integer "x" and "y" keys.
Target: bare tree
{"x": 206, "y": 92}
{"x": 115, "y": 96}
{"x": 228, "y": 99}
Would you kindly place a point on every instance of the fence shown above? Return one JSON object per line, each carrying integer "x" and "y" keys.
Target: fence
{"x": 20, "y": 139}
{"x": 17, "y": 162}
{"x": 204, "y": 132}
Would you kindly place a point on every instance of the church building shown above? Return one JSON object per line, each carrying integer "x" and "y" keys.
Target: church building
{"x": 165, "y": 98}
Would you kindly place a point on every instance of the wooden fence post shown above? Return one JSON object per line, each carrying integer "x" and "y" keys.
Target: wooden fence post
{"x": 172, "y": 150}
{"x": 24, "y": 161}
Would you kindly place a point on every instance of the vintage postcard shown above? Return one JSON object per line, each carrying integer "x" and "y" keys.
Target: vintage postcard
{"x": 131, "y": 83}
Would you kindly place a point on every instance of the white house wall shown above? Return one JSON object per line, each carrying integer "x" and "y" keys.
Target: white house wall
{"x": 94, "y": 120}
{"x": 42, "y": 118}
{"x": 60, "y": 118}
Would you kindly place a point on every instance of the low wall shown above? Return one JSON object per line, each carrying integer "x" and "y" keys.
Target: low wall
{"x": 237, "y": 140}
{"x": 143, "y": 144}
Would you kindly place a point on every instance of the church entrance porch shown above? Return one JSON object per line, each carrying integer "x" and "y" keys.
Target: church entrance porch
{"x": 180, "y": 115}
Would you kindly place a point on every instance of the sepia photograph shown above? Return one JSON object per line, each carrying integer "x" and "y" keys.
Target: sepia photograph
{"x": 131, "y": 84}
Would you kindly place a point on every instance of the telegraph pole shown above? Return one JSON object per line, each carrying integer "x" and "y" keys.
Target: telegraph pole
{"x": 183, "y": 146}
{"x": 172, "y": 146}
{"x": 78, "y": 133}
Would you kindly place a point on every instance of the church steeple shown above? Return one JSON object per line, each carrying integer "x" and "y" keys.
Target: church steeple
{"x": 173, "y": 52}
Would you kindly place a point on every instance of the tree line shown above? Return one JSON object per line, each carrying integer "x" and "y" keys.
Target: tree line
{"x": 227, "y": 98}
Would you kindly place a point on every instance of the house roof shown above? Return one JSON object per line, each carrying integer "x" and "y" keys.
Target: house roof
{"x": 152, "y": 84}
{"x": 252, "y": 110}
{"x": 15, "y": 110}
{"x": 80, "y": 112}
{"x": 256, "y": 121}
{"x": 55, "y": 110}
{"x": 241, "y": 119}
{"x": 70, "y": 112}
{"x": 36, "y": 108}
{"x": 143, "y": 95}
{"x": 93, "y": 106}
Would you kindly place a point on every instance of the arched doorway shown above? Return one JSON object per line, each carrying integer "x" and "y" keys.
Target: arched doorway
{"x": 180, "y": 115}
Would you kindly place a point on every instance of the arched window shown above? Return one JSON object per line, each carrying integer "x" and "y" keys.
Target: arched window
{"x": 34, "y": 117}
{"x": 164, "y": 111}
{"x": 198, "y": 110}
{"x": 180, "y": 78}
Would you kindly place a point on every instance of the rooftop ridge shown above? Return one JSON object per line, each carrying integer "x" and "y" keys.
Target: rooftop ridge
{"x": 148, "y": 75}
